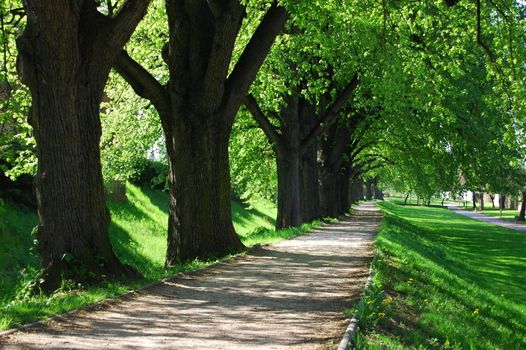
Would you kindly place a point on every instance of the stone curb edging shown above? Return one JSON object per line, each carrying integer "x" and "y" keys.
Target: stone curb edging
{"x": 353, "y": 323}
{"x": 135, "y": 292}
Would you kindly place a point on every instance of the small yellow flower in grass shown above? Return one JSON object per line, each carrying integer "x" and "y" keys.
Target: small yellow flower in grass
{"x": 475, "y": 312}
{"x": 387, "y": 300}
{"x": 370, "y": 302}
{"x": 381, "y": 314}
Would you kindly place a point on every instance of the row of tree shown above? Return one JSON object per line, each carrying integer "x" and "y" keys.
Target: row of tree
{"x": 414, "y": 93}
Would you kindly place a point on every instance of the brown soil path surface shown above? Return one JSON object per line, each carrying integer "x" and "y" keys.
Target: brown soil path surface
{"x": 289, "y": 295}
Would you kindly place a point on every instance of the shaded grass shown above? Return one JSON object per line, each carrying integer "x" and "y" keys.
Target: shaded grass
{"x": 457, "y": 283}
{"x": 138, "y": 235}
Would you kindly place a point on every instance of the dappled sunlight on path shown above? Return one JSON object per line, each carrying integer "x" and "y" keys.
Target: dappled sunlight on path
{"x": 289, "y": 295}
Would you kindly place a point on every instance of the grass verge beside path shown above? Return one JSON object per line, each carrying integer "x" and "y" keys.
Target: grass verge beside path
{"x": 507, "y": 214}
{"x": 444, "y": 281}
{"x": 138, "y": 235}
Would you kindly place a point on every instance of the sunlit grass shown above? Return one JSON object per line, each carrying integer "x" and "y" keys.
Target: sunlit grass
{"x": 457, "y": 283}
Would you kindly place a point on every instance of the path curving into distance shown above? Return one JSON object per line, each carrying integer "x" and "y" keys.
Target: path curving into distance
{"x": 491, "y": 220}
{"x": 289, "y": 295}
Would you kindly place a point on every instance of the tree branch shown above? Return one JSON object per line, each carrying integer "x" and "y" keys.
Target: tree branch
{"x": 125, "y": 21}
{"x": 331, "y": 113}
{"x": 142, "y": 82}
{"x": 263, "y": 122}
{"x": 252, "y": 58}
{"x": 450, "y": 3}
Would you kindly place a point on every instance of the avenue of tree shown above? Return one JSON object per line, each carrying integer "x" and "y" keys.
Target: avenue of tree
{"x": 315, "y": 105}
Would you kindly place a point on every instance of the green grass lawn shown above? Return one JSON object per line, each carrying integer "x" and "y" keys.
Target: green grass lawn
{"x": 138, "y": 235}
{"x": 444, "y": 281}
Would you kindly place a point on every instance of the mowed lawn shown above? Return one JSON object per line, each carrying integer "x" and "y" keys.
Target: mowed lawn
{"x": 448, "y": 282}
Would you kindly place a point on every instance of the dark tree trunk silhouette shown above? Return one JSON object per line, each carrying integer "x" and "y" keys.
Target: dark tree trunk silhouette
{"x": 65, "y": 56}
{"x": 522, "y": 213}
{"x": 197, "y": 109}
{"x": 502, "y": 201}
{"x": 295, "y": 146}
{"x": 333, "y": 171}
{"x": 492, "y": 196}
{"x": 345, "y": 194}
{"x": 474, "y": 200}
{"x": 309, "y": 187}
{"x": 369, "y": 189}
{"x": 378, "y": 194}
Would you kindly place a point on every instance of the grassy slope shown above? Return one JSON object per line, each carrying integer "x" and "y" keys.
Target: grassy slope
{"x": 138, "y": 234}
{"x": 457, "y": 283}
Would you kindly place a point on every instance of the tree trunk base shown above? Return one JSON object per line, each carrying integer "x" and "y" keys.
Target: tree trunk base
{"x": 53, "y": 276}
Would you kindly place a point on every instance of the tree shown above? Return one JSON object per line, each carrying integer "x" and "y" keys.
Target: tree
{"x": 65, "y": 56}
{"x": 197, "y": 108}
{"x": 291, "y": 143}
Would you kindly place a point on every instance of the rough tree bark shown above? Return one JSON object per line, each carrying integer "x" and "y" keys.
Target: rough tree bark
{"x": 291, "y": 144}
{"x": 309, "y": 174}
{"x": 333, "y": 171}
{"x": 65, "y": 56}
{"x": 197, "y": 109}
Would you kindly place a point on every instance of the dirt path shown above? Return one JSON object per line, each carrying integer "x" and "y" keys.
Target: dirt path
{"x": 286, "y": 296}
{"x": 492, "y": 220}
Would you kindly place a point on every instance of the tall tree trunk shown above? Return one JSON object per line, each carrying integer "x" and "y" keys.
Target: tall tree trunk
{"x": 330, "y": 194}
{"x": 309, "y": 187}
{"x": 197, "y": 109}
{"x": 65, "y": 55}
{"x": 360, "y": 189}
{"x": 502, "y": 201}
{"x": 406, "y": 197}
{"x": 492, "y": 196}
{"x": 378, "y": 194}
{"x": 481, "y": 200}
{"x": 369, "y": 189}
{"x": 289, "y": 195}
{"x": 345, "y": 199}
{"x": 522, "y": 213}
{"x": 474, "y": 200}
{"x": 200, "y": 222}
